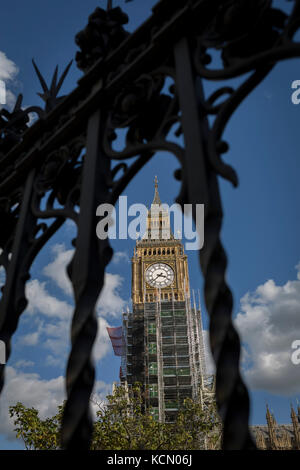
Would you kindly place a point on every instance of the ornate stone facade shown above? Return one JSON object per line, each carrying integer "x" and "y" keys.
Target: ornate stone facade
{"x": 274, "y": 436}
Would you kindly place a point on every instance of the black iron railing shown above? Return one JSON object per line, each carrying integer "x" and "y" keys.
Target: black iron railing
{"x": 67, "y": 156}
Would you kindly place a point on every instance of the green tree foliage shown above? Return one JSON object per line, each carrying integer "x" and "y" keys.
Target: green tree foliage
{"x": 122, "y": 423}
{"x": 36, "y": 433}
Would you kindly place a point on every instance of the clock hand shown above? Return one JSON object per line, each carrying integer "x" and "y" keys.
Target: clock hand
{"x": 159, "y": 275}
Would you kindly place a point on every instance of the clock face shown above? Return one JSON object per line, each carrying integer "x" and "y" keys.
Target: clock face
{"x": 159, "y": 275}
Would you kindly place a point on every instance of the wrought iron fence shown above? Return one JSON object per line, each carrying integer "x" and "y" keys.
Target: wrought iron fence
{"x": 68, "y": 158}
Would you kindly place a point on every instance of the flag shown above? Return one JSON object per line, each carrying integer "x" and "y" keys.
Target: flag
{"x": 116, "y": 337}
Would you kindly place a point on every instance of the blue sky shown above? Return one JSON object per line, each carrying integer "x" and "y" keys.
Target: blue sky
{"x": 261, "y": 228}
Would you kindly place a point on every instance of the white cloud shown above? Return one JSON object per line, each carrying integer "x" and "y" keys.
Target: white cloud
{"x": 8, "y": 69}
{"x": 56, "y": 270}
{"x": 33, "y": 391}
{"x": 269, "y": 322}
{"x": 10, "y": 99}
{"x": 209, "y": 362}
{"x": 40, "y": 301}
{"x": 31, "y": 339}
{"x": 102, "y": 345}
{"x": 110, "y": 302}
{"x": 53, "y": 320}
{"x": 120, "y": 256}
{"x": 57, "y": 339}
{"x": 53, "y": 361}
{"x": 22, "y": 363}
{"x": 101, "y": 390}
{"x": 8, "y": 73}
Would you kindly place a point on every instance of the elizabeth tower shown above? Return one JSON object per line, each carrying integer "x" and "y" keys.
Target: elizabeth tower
{"x": 163, "y": 338}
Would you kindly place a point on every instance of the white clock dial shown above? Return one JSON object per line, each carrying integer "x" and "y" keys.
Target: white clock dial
{"x": 159, "y": 275}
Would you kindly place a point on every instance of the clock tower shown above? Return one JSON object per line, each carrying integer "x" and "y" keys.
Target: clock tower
{"x": 162, "y": 337}
{"x": 159, "y": 264}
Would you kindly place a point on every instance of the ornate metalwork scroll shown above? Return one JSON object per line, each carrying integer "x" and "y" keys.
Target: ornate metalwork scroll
{"x": 149, "y": 86}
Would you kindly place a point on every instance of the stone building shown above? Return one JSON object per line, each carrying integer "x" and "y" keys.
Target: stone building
{"x": 274, "y": 436}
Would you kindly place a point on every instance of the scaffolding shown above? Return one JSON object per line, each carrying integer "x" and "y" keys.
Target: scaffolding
{"x": 162, "y": 347}
{"x": 160, "y": 370}
{"x": 192, "y": 346}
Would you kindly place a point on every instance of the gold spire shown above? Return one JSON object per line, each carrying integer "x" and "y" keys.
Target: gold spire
{"x": 295, "y": 426}
{"x": 158, "y": 219}
{"x": 271, "y": 427}
{"x": 293, "y": 414}
{"x": 156, "y": 199}
{"x": 269, "y": 416}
